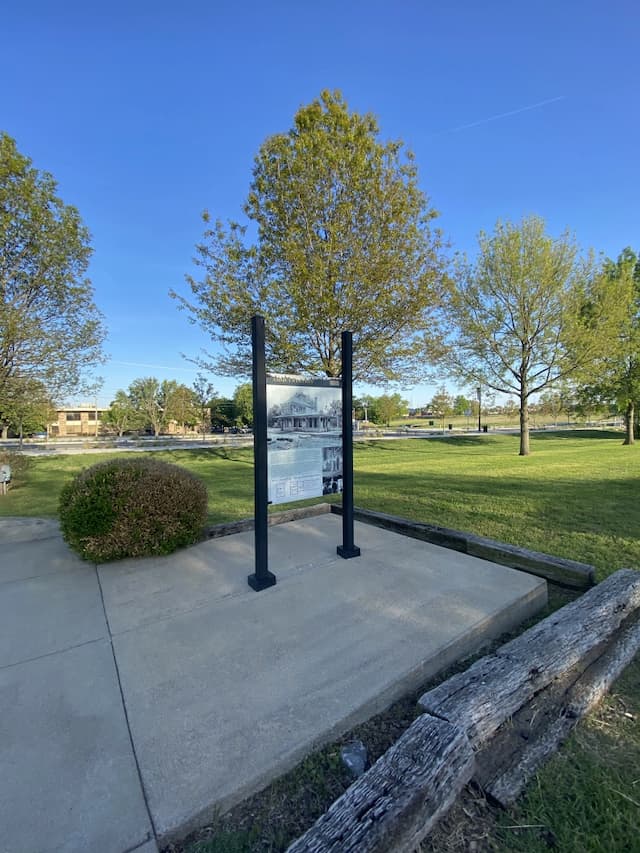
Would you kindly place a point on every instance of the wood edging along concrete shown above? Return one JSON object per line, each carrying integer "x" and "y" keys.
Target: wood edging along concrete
{"x": 558, "y": 570}
{"x": 228, "y": 528}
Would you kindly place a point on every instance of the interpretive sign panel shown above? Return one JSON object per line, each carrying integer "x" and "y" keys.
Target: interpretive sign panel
{"x": 304, "y": 433}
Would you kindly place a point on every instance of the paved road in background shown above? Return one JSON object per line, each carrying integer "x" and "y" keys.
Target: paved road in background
{"x": 52, "y": 447}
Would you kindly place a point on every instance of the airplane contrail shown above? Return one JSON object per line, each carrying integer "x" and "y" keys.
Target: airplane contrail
{"x": 503, "y": 115}
{"x": 157, "y": 366}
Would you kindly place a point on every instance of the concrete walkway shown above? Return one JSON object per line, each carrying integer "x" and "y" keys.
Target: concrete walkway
{"x": 137, "y": 698}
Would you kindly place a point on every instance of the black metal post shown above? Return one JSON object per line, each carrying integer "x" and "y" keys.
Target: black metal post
{"x": 479, "y": 395}
{"x": 348, "y": 548}
{"x": 262, "y": 578}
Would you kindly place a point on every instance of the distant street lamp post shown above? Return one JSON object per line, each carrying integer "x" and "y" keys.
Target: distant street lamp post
{"x": 479, "y": 395}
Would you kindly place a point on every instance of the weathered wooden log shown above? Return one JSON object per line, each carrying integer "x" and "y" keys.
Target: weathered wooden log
{"x": 394, "y": 805}
{"x": 599, "y": 677}
{"x": 506, "y": 789}
{"x": 557, "y": 569}
{"x": 493, "y": 689}
{"x": 455, "y": 540}
{"x": 586, "y": 692}
{"x": 229, "y": 527}
{"x": 565, "y": 637}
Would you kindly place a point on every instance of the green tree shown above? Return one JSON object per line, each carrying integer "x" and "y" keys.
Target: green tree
{"x": 27, "y": 407}
{"x": 204, "y": 394}
{"x": 182, "y": 407}
{"x": 150, "y": 399}
{"x": 527, "y": 314}
{"x": 223, "y": 412}
{"x": 122, "y": 415}
{"x": 442, "y": 404}
{"x": 50, "y": 329}
{"x": 461, "y": 405}
{"x": 364, "y": 407}
{"x": 618, "y": 370}
{"x": 344, "y": 240}
{"x": 389, "y": 406}
{"x": 243, "y": 401}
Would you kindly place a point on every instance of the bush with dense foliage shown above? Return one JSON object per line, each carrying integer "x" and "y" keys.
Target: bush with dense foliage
{"x": 132, "y": 507}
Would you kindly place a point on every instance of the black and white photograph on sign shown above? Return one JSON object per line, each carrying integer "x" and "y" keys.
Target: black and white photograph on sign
{"x": 304, "y": 430}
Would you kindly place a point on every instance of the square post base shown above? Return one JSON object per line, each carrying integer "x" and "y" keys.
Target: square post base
{"x": 347, "y": 553}
{"x": 258, "y": 583}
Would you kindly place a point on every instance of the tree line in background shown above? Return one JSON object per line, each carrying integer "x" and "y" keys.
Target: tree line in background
{"x": 151, "y": 405}
{"x": 338, "y": 235}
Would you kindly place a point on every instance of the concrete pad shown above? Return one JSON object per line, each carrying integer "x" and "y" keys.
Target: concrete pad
{"x": 140, "y": 591}
{"x": 69, "y": 781}
{"x": 47, "y": 556}
{"x": 47, "y": 614}
{"x": 26, "y": 529}
{"x": 226, "y": 697}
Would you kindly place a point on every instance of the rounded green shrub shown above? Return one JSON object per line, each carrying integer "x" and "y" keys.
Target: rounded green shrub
{"x": 132, "y": 507}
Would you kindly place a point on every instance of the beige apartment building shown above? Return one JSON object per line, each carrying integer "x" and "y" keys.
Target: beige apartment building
{"x": 83, "y": 420}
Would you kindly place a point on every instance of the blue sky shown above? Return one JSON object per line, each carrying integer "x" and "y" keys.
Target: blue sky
{"x": 148, "y": 112}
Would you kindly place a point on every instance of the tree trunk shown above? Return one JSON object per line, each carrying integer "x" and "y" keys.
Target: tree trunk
{"x": 629, "y": 417}
{"x": 524, "y": 424}
{"x": 5, "y": 432}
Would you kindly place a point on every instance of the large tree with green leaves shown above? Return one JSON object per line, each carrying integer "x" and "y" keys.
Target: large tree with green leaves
{"x": 123, "y": 415}
{"x": 343, "y": 241}
{"x": 616, "y": 380}
{"x": 152, "y": 401}
{"x": 530, "y": 312}
{"x": 50, "y": 329}
{"x": 183, "y": 407}
{"x": 204, "y": 394}
{"x": 26, "y": 408}
{"x": 442, "y": 404}
{"x": 389, "y": 406}
{"x": 243, "y": 399}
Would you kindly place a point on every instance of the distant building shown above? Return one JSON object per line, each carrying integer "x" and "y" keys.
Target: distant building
{"x": 77, "y": 420}
{"x": 81, "y": 421}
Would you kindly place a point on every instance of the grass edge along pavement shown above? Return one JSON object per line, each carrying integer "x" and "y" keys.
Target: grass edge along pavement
{"x": 574, "y": 497}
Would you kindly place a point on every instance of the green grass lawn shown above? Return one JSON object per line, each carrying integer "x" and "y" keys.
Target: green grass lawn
{"x": 576, "y": 496}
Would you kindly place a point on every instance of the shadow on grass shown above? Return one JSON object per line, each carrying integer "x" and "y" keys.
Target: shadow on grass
{"x": 204, "y": 454}
{"x": 570, "y": 504}
{"x": 431, "y": 442}
{"x": 608, "y": 434}
{"x": 589, "y": 520}
{"x": 474, "y": 440}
